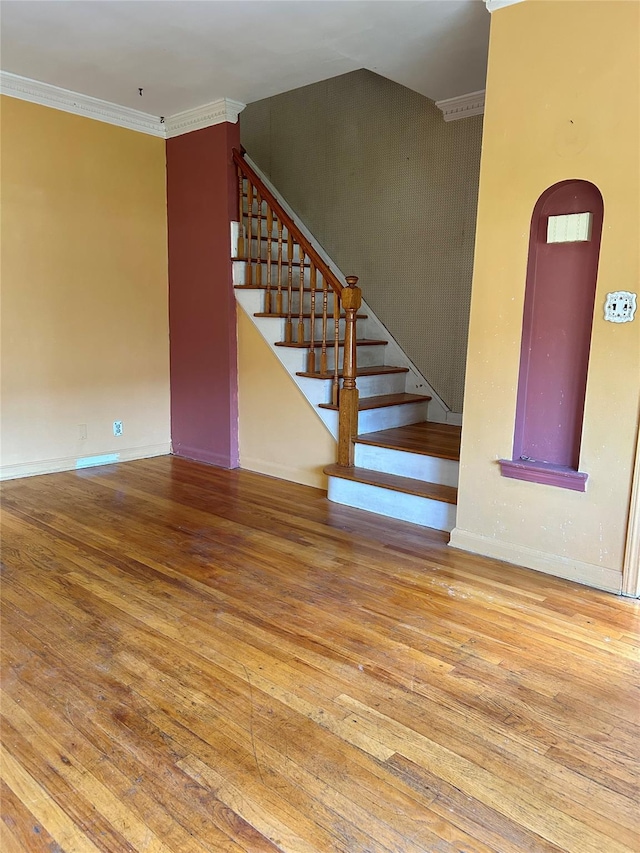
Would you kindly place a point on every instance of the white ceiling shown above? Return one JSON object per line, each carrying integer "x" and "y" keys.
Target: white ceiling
{"x": 185, "y": 53}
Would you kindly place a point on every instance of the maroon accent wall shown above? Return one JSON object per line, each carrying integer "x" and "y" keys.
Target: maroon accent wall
{"x": 556, "y": 333}
{"x": 201, "y": 203}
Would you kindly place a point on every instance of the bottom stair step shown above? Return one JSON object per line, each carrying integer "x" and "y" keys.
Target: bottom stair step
{"x": 428, "y": 504}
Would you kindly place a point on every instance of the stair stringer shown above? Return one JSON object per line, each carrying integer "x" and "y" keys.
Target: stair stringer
{"x": 415, "y": 382}
{"x": 279, "y": 433}
{"x": 270, "y": 329}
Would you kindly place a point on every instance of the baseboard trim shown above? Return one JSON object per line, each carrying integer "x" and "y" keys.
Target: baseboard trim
{"x": 70, "y": 463}
{"x": 197, "y": 454}
{"x": 589, "y": 574}
{"x": 310, "y": 477}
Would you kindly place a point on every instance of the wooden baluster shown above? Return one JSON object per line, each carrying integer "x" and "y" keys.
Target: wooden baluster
{"x": 301, "y": 257}
{"x": 259, "y": 241}
{"x": 351, "y": 298}
{"x": 279, "y": 290}
{"x": 249, "y": 276}
{"x": 240, "y": 249}
{"x": 288, "y": 326}
{"x": 268, "y": 306}
{"x": 335, "y": 390}
{"x": 311, "y": 356}
{"x": 325, "y": 311}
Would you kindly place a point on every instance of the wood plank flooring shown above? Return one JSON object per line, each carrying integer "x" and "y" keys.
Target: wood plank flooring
{"x": 203, "y": 660}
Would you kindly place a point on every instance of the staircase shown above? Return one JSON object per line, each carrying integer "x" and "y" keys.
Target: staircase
{"x": 392, "y": 459}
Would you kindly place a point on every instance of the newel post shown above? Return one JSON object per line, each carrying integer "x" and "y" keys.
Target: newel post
{"x": 351, "y": 298}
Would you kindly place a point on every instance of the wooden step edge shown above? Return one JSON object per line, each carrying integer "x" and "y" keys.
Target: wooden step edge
{"x": 428, "y": 451}
{"x": 361, "y": 342}
{"x": 436, "y": 454}
{"x": 274, "y": 263}
{"x": 407, "y": 485}
{"x": 295, "y": 316}
{"x": 274, "y": 290}
{"x": 382, "y": 401}
{"x": 372, "y": 370}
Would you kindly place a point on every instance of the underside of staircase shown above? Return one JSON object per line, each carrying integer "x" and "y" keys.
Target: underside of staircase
{"x": 404, "y": 465}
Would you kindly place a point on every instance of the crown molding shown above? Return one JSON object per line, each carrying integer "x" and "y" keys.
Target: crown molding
{"x": 224, "y": 109}
{"x": 493, "y": 5}
{"x": 82, "y": 105}
{"x": 463, "y": 106}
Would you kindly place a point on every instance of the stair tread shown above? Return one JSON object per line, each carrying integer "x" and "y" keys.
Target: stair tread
{"x": 381, "y": 401}
{"x": 295, "y": 316}
{"x": 427, "y": 438}
{"x": 373, "y": 370}
{"x": 420, "y": 488}
{"x": 361, "y": 342}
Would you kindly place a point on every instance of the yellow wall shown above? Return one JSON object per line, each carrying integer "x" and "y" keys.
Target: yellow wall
{"x": 84, "y": 290}
{"x": 279, "y": 433}
{"x": 562, "y": 102}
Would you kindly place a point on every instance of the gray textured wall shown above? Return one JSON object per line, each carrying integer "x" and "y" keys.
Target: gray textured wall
{"x": 390, "y": 190}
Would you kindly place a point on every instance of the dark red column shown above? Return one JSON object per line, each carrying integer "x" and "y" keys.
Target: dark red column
{"x": 201, "y": 203}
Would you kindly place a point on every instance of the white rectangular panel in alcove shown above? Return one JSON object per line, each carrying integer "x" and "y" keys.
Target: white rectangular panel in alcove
{"x": 569, "y": 228}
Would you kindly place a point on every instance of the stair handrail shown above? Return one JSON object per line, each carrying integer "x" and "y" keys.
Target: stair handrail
{"x": 348, "y": 295}
{"x": 328, "y": 274}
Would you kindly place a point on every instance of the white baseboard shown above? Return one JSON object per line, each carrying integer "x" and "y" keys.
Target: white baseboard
{"x": 589, "y": 574}
{"x": 70, "y": 463}
{"x": 310, "y": 477}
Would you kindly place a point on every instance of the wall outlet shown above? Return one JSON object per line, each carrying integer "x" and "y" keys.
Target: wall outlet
{"x": 82, "y": 431}
{"x": 117, "y": 428}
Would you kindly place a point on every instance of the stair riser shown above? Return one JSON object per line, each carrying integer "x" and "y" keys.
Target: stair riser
{"x": 426, "y": 512}
{"x": 240, "y": 276}
{"x": 295, "y": 359}
{"x": 361, "y": 329}
{"x": 367, "y": 356}
{"x": 392, "y": 416}
{"x": 405, "y": 464}
{"x": 261, "y": 251}
{"x": 385, "y": 417}
{"x": 368, "y": 386}
{"x": 264, "y": 233}
{"x": 386, "y": 383}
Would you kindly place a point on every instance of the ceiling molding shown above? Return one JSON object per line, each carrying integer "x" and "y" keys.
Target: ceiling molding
{"x": 463, "y": 106}
{"x": 82, "y": 105}
{"x": 47, "y": 95}
{"x": 224, "y": 109}
{"x": 493, "y": 5}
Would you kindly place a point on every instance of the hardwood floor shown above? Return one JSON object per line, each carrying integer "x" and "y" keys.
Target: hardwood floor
{"x": 203, "y": 660}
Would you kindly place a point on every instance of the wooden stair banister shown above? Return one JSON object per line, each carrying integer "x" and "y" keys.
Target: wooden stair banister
{"x": 287, "y": 221}
{"x": 351, "y": 299}
{"x": 346, "y": 299}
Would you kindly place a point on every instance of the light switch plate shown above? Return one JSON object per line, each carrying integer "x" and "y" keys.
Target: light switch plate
{"x": 620, "y": 306}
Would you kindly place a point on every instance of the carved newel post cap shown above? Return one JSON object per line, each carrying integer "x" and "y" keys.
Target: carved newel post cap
{"x": 351, "y": 296}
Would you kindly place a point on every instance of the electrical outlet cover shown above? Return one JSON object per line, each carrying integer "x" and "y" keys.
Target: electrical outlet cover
{"x": 117, "y": 427}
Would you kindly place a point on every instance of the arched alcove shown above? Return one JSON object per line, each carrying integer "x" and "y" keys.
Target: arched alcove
{"x": 562, "y": 270}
